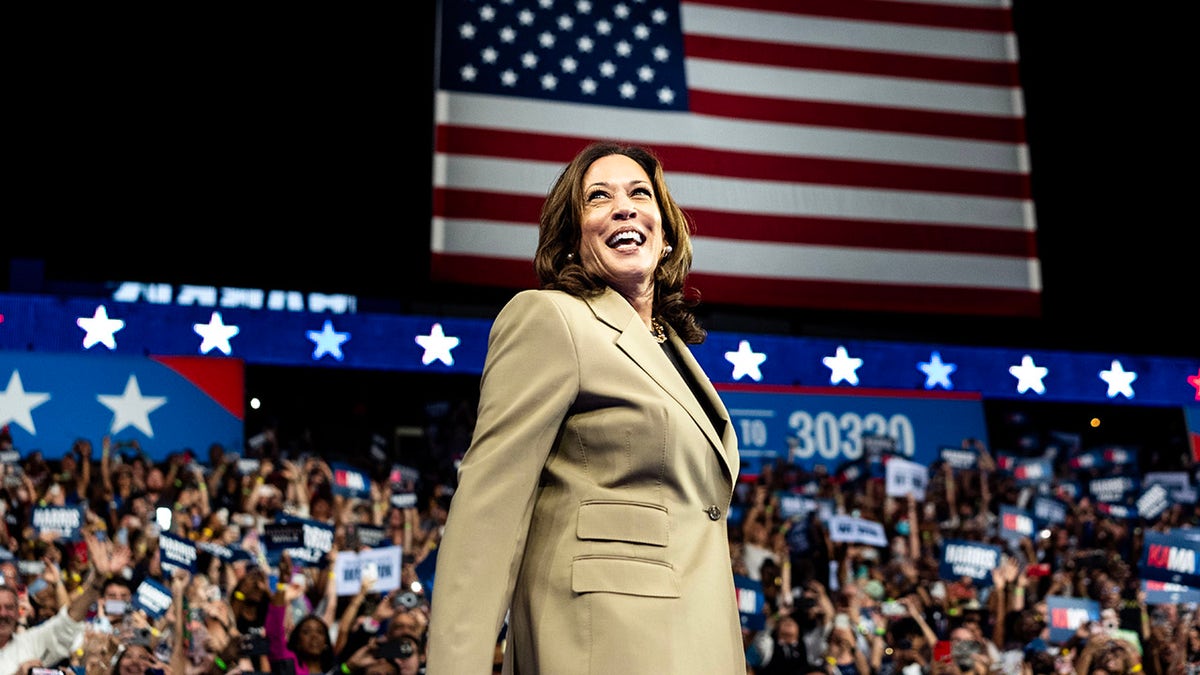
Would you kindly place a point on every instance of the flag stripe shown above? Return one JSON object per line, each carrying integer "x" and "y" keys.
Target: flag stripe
{"x": 774, "y": 259}
{"x": 987, "y": 16}
{"x": 485, "y": 270}
{"x": 700, "y": 191}
{"x": 516, "y": 209}
{"x": 851, "y": 61}
{"x": 869, "y": 153}
{"x": 564, "y": 120}
{"x": 820, "y": 113}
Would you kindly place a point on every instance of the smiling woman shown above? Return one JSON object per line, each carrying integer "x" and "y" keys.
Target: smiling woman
{"x": 590, "y": 506}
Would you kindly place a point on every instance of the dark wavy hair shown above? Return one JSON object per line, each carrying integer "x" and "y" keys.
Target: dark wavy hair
{"x": 327, "y": 657}
{"x": 559, "y": 235}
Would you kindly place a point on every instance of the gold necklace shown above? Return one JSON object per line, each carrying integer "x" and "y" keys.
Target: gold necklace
{"x": 660, "y": 336}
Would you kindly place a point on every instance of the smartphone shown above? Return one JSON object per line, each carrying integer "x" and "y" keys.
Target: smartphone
{"x": 37, "y": 586}
{"x": 399, "y": 648}
{"x": 115, "y": 607}
{"x": 941, "y": 651}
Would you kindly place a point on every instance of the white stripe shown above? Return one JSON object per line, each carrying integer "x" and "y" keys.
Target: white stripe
{"x": 873, "y": 36}
{"x": 772, "y": 260}
{"x": 694, "y": 191}
{"x": 876, "y": 90}
{"x": 681, "y": 128}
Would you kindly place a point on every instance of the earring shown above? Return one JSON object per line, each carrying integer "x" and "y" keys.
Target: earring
{"x": 667, "y": 250}
{"x": 570, "y": 256}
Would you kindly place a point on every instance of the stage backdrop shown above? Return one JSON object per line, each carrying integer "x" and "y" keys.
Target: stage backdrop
{"x": 167, "y": 404}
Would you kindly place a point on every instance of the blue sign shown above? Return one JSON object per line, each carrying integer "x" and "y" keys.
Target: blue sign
{"x": 1170, "y": 557}
{"x": 810, "y": 426}
{"x": 1068, "y": 614}
{"x": 972, "y": 559}
{"x": 750, "y": 602}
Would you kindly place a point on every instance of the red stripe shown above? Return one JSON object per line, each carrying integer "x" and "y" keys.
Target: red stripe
{"x": 849, "y": 116}
{"x": 992, "y": 19}
{"x": 764, "y": 292}
{"x": 837, "y": 59}
{"x": 864, "y": 296}
{"x": 481, "y": 205}
{"x": 755, "y": 166}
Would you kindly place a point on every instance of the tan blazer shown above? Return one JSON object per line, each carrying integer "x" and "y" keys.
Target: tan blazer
{"x": 591, "y": 505}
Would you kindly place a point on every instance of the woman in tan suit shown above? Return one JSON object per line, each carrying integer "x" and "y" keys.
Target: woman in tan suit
{"x": 590, "y": 512}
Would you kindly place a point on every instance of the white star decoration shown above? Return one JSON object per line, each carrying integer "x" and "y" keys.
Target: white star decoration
{"x": 1120, "y": 381}
{"x": 1029, "y": 376}
{"x": 99, "y": 328}
{"x": 216, "y": 335}
{"x": 746, "y": 361}
{"x": 16, "y": 405}
{"x": 936, "y": 372}
{"x": 131, "y": 409}
{"x": 437, "y": 346}
{"x": 327, "y": 341}
{"x": 842, "y": 367}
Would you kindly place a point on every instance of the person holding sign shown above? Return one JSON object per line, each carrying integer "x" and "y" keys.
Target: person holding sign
{"x": 591, "y": 505}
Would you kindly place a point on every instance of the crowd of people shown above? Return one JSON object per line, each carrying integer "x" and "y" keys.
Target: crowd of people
{"x": 833, "y": 607}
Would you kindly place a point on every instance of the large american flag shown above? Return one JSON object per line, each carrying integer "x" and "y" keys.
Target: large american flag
{"x": 833, "y": 154}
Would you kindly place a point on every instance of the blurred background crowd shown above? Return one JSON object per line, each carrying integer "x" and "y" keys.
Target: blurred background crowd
{"x": 811, "y": 601}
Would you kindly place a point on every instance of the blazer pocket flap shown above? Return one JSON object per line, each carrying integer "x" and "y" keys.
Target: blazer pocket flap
{"x": 630, "y": 576}
{"x": 633, "y": 522}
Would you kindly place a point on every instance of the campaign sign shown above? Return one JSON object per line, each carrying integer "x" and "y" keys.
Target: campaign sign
{"x": 1177, "y": 483}
{"x": 815, "y": 425}
{"x": 1170, "y": 557}
{"x": 305, "y": 540}
{"x": 1049, "y": 511}
{"x": 973, "y": 559}
{"x": 959, "y": 458}
{"x": 904, "y": 478}
{"x": 1068, "y": 614}
{"x": 792, "y": 505}
{"x": 1153, "y": 502}
{"x": 856, "y": 531}
{"x": 1015, "y": 523}
{"x": 348, "y": 567}
{"x": 750, "y": 603}
{"x": 370, "y": 536}
{"x": 1033, "y": 472}
{"x": 1112, "y": 489}
{"x": 152, "y": 598}
{"x": 1166, "y": 593}
{"x": 176, "y": 552}
{"x": 350, "y": 482}
{"x": 64, "y": 521}
{"x": 220, "y": 551}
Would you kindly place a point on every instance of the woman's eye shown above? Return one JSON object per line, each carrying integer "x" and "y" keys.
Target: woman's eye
{"x": 596, "y": 194}
{"x": 641, "y": 191}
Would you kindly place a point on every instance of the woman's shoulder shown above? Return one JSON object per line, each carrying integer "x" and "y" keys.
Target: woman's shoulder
{"x": 541, "y": 300}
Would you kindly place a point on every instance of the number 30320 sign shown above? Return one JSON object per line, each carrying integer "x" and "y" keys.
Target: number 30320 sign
{"x": 808, "y": 426}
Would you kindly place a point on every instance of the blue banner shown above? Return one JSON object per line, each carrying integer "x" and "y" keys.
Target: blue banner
{"x": 972, "y": 559}
{"x": 350, "y": 482}
{"x": 176, "y": 552}
{"x": 166, "y": 404}
{"x": 1170, "y": 557}
{"x": 64, "y": 521}
{"x": 810, "y": 426}
{"x": 152, "y": 598}
{"x": 1068, "y": 614}
{"x": 750, "y": 603}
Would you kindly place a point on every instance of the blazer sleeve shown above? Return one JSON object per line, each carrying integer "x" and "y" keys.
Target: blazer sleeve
{"x": 530, "y": 380}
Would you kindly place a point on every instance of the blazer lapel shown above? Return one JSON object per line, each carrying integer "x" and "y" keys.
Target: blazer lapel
{"x": 641, "y": 347}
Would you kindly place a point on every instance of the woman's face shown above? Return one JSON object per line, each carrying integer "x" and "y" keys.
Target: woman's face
{"x": 136, "y": 660}
{"x": 621, "y": 236}
{"x": 313, "y": 637}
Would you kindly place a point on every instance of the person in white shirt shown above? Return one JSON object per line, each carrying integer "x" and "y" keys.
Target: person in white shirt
{"x": 50, "y": 642}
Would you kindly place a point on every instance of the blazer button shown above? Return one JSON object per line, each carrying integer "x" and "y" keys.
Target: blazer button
{"x": 714, "y": 512}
